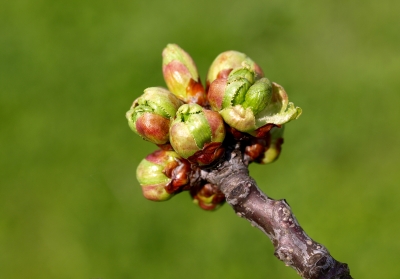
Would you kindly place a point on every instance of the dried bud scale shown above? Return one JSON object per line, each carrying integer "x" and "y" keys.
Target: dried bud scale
{"x": 266, "y": 149}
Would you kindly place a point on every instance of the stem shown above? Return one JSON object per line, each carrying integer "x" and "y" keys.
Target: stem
{"x": 292, "y": 245}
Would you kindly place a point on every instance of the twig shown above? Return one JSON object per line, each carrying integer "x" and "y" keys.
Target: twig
{"x": 292, "y": 245}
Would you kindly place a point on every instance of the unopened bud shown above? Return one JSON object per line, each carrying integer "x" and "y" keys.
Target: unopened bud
{"x": 181, "y": 75}
{"x": 230, "y": 60}
{"x": 150, "y": 114}
{"x": 162, "y": 174}
{"x": 197, "y": 134}
{"x": 250, "y": 105}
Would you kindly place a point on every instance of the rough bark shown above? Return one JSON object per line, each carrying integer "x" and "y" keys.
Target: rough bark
{"x": 292, "y": 245}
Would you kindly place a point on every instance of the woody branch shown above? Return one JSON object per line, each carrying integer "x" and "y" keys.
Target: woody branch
{"x": 292, "y": 245}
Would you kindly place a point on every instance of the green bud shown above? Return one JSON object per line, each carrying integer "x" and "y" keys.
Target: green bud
{"x": 228, "y": 61}
{"x": 162, "y": 174}
{"x": 248, "y": 106}
{"x": 243, "y": 108}
{"x": 257, "y": 96}
{"x": 150, "y": 114}
{"x": 181, "y": 75}
{"x": 238, "y": 83}
{"x": 239, "y": 97}
{"x": 197, "y": 134}
{"x": 242, "y": 73}
{"x": 241, "y": 90}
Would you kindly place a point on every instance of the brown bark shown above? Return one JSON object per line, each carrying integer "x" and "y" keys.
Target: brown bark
{"x": 292, "y": 245}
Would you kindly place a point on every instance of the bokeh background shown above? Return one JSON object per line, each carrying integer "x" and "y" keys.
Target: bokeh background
{"x": 70, "y": 205}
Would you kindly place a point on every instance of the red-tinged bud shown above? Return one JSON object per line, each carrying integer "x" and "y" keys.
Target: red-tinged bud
{"x": 216, "y": 93}
{"x": 228, "y": 61}
{"x": 249, "y": 104}
{"x": 207, "y": 196}
{"x": 181, "y": 75}
{"x": 150, "y": 114}
{"x": 163, "y": 174}
{"x": 197, "y": 134}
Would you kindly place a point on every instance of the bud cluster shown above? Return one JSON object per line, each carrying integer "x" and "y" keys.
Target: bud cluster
{"x": 192, "y": 124}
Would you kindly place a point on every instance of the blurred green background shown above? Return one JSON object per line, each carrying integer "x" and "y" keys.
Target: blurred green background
{"x": 70, "y": 205}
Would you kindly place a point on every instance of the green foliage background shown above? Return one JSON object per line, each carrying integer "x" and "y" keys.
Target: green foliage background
{"x": 70, "y": 206}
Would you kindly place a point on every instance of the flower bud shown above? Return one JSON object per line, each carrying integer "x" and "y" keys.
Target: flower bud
{"x": 207, "y": 196}
{"x": 228, "y": 61}
{"x": 267, "y": 149}
{"x": 150, "y": 114}
{"x": 162, "y": 174}
{"x": 181, "y": 76}
{"x": 240, "y": 97}
{"x": 226, "y": 92}
{"x": 197, "y": 134}
{"x": 248, "y": 105}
